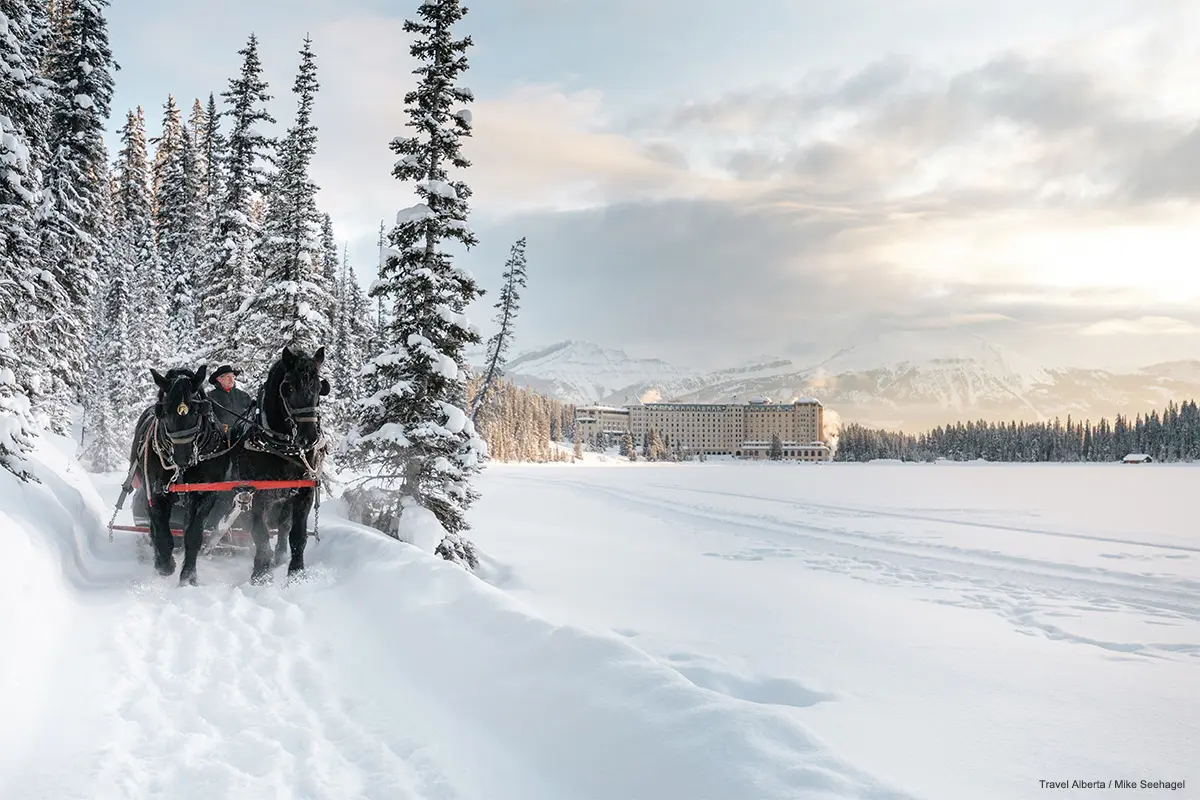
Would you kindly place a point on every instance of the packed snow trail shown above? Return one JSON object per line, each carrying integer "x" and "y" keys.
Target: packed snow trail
{"x": 387, "y": 673}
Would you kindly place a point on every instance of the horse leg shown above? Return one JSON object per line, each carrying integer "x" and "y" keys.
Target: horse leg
{"x": 298, "y": 536}
{"x": 193, "y": 535}
{"x": 160, "y": 533}
{"x": 281, "y": 541}
{"x": 261, "y": 573}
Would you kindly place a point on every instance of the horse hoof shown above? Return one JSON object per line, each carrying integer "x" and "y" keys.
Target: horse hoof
{"x": 165, "y": 567}
{"x": 295, "y": 567}
{"x": 263, "y": 578}
{"x": 188, "y": 578}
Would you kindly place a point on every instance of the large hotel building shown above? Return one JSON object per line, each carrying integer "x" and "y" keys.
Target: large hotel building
{"x": 743, "y": 430}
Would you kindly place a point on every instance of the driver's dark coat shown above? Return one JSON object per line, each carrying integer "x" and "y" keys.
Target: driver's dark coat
{"x": 227, "y": 405}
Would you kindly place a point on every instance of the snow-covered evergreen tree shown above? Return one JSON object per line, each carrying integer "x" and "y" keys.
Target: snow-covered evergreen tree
{"x": 196, "y": 123}
{"x": 381, "y": 315}
{"x": 419, "y": 446}
{"x": 231, "y": 276}
{"x": 293, "y": 300}
{"x": 80, "y": 66}
{"x": 351, "y": 342}
{"x": 134, "y": 243}
{"x": 181, "y": 233}
{"x": 331, "y": 271}
{"x": 776, "y": 451}
{"x": 115, "y": 399}
{"x": 506, "y": 315}
{"x": 23, "y": 118}
{"x": 211, "y": 152}
{"x": 165, "y": 146}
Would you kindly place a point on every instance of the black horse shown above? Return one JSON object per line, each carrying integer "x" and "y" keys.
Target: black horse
{"x": 177, "y": 440}
{"x": 286, "y": 443}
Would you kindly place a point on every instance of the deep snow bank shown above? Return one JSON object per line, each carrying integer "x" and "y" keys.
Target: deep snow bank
{"x": 47, "y": 542}
{"x": 591, "y": 714}
{"x": 50, "y": 534}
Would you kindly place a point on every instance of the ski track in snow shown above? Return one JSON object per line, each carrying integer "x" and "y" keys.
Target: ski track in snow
{"x": 1035, "y": 596}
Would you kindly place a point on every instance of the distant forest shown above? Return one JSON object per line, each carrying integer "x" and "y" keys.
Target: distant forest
{"x": 519, "y": 424}
{"x": 1173, "y": 435}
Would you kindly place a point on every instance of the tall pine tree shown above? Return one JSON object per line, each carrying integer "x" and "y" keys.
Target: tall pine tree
{"x": 166, "y": 145}
{"x": 115, "y": 400}
{"x": 22, "y": 134}
{"x": 134, "y": 243}
{"x": 291, "y": 306}
{"x": 506, "y": 316}
{"x": 351, "y": 342}
{"x": 80, "y": 66}
{"x": 330, "y": 267}
{"x": 231, "y": 276}
{"x": 180, "y": 225}
{"x": 414, "y": 434}
{"x": 211, "y": 153}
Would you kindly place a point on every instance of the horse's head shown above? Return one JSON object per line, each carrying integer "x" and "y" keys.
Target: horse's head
{"x": 301, "y": 388}
{"x": 181, "y": 409}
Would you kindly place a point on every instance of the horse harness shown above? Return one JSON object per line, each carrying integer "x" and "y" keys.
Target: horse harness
{"x": 202, "y": 436}
{"x": 163, "y": 442}
{"x": 265, "y": 439}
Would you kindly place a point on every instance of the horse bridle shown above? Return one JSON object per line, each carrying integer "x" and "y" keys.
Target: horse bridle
{"x": 203, "y": 407}
{"x": 294, "y": 416}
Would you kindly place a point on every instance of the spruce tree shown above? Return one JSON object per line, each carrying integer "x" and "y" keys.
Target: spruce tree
{"x": 79, "y": 65}
{"x": 656, "y": 448}
{"x": 180, "y": 225}
{"x": 293, "y": 299}
{"x": 134, "y": 243}
{"x": 23, "y": 119}
{"x": 506, "y": 314}
{"x": 413, "y": 435}
{"x": 231, "y": 276}
{"x": 776, "y": 451}
{"x": 352, "y": 340}
{"x": 330, "y": 267}
{"x": 166, "y": 145}
{"x": 211, "y": 153}
{"x": 118, "y": 401}
{"x": 197, "y": 122}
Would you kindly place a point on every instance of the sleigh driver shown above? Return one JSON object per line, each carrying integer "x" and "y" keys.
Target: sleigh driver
{"x": 231, "y": 405}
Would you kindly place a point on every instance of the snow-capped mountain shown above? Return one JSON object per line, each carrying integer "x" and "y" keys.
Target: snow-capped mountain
{"x": 918, "y": 350}
{"x": 581, "y": 372}
{"x": 909, "y": 380}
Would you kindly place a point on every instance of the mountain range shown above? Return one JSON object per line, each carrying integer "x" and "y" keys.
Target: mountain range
{"x": 904, "y": 381}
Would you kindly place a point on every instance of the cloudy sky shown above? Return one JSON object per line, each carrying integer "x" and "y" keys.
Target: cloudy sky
{"x": 706, "y": 181}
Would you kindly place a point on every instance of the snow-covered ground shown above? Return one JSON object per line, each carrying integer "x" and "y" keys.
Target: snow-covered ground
{"x": 956, "y": 630}
{"x": 673, "y": 631}
{"x": 388, "y": 674}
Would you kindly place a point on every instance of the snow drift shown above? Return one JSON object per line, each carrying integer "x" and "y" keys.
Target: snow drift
{"x": 388, "y": 673}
